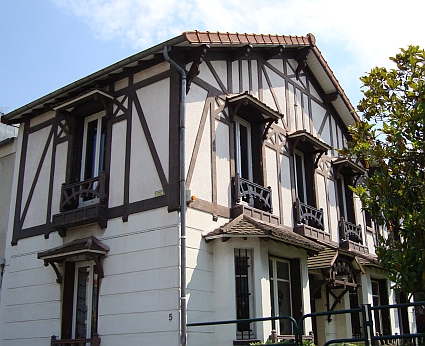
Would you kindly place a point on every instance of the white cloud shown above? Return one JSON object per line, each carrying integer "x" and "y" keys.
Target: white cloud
{"x": 353, "y": 35}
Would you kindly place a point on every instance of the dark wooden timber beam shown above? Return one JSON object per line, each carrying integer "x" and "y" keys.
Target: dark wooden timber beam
{"x": 197, "y": 56}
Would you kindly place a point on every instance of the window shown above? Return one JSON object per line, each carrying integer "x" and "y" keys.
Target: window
{"x": 93, "y": 153}
{"x": 80, "y": 300}
{"x": 356, "y": 327}
{"x": 345, "y": 200}
{"x": 81, "y": 280}
{"x": 381, "y": 317}
{"x": 85, "y": 302}
{"x": 376, "y": 301}
{"x": 244, "y": 303}
{"x": 280, "y": 294}
{"x": 300, "y": 177}
{"x": 243, "y": 149}
{"x": 304, "y": 178}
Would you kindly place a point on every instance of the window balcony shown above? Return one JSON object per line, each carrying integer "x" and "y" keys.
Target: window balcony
{"x": 351, "y": 237}
{"x": 82, "y": 203}
{"x": 252, "y": 194}
{"x": 309, "y": 222}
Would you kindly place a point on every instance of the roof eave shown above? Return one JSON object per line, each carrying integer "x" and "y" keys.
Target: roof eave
{"x": 14, "y": 116}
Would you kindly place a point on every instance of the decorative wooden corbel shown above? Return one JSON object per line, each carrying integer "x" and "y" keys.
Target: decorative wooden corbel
{"x": 198, "y": 58}
{"x": 301, "y": 58}
{"x": 316, "y": 162}
{"x": 241, "y": 52}
{"x": 96, "y": 260}
{"x": 243, "y": 102}
{"x": 274, "y": 52}
{"x": 328, "y": 98}
{"x": 266, "y": 129}
{"x": 55, "y": 268}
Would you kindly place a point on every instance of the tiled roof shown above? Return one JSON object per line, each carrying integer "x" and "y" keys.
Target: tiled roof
{"x": 208, "y": 37}
{"x": 244, "y": 225}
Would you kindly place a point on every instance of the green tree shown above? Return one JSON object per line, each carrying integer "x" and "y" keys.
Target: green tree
{"x": 390, "y": 141}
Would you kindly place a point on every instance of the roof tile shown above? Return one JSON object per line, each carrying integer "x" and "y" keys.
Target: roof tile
{"x": 198, "y": 37}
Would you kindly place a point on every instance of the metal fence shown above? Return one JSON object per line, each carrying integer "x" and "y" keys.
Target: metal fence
{"x": 369, "y": 338}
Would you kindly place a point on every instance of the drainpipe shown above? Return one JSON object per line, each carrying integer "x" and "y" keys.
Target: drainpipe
{"x": 183, "y": 316}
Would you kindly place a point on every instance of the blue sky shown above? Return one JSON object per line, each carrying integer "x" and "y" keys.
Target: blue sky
{"x": 47, "y": 44}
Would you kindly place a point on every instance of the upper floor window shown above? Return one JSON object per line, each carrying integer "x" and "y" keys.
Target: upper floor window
{"x": 243, "y": 149}
{"x": 345, "y": 199}
{"x": 93, "y": 152}
{"x": 252, "y": 119}
{"x": 300, "y": 177}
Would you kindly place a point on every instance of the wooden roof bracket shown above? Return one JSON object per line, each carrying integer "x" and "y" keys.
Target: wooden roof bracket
{"x": 267, "y": 127}
{"x": 241, "y": 52}
{"x": 198, "y": 58}
{"x": 274, "y": 52}
{"x": 98, "y": 262}
{"x": 316, "y": 162}
{"x": 293, "y": 145}
{"x": 236, "y": 108}
{"x": 55, "y": 268}
{"x": 328, "y": 98}
{"x": 301, "y": 58}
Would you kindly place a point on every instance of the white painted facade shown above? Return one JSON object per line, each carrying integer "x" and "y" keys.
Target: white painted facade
{"x": 139, "y": 295}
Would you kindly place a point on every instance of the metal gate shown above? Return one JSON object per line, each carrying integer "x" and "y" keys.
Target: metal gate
{"x": 369, "y": 338}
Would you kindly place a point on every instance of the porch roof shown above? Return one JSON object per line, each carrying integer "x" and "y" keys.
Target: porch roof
{"x": 244, "y": 226}
{"x": 83, "y": 246}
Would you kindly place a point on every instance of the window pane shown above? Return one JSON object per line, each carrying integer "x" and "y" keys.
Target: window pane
{"x": 90, "y": 154}
{"x": 282, "y": 270}
{"x": 284, "y": 304}
{"x": 83, "y": 276}
{"x": 102, "y": 146}
{"x": 299, "y": 175}
{"x": 95, "y": 296}
{"x": 244, "y": 149}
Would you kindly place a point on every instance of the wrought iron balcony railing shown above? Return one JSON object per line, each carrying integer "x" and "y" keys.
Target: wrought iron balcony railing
{"x": 94, "y": 189}
{"x": 255, "y": 195}
{"x": 94, "y": 341}
{"x": 350, "y": 231}
{"x": 309, "y": 215}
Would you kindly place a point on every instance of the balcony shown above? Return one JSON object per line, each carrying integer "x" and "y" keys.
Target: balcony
{"x": 309, "y": 222}
{"x": 252, "y": 194}
{"x": 82, "y": 203}
{"x": 351, "y": 237}
{"x": 94, "y": 341}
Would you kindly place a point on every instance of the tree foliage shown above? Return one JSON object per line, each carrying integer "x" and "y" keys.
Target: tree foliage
{"x": 390, "y": 140}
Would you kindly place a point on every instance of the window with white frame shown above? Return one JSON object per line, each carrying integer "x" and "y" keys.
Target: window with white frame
{"x": 243, "y": 149}
{"x": 85, "y": 302}
{"x": 93, "y": 153}
{"x": 300, "y": 177}
{"x": 280, "y": 294}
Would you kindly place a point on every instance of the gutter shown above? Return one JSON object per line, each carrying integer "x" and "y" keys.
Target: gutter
{"x": 183, "y": 314}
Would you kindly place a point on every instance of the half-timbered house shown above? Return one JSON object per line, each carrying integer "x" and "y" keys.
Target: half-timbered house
{"x": 198, "y": 180}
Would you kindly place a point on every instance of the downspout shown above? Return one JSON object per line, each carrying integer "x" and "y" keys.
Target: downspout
{"x": 183, "y": 317}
